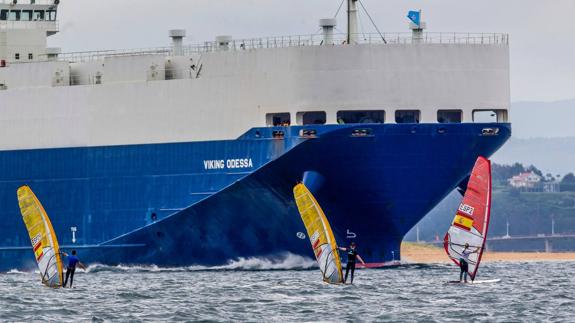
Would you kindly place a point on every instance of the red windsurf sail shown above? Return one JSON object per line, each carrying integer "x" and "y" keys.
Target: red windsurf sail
{"x": 472, "y": 218}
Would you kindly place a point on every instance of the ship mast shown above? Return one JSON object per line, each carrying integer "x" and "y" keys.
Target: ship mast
{"x": 352, "y": 21}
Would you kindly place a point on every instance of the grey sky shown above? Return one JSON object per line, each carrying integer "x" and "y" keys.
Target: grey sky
{"x": 541, "y": 31}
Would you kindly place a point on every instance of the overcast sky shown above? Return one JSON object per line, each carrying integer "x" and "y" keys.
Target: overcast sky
{"x": 542, "y": 32}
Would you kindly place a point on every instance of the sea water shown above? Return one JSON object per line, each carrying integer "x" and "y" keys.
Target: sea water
{"x": 291, "y": 290}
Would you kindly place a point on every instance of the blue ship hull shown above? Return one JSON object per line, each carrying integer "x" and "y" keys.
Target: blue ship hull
{"x": 205, "y": 203}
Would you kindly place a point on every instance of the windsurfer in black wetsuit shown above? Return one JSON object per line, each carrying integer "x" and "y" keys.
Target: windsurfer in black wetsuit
{"x": 352, "y": 255}
{"x": 464, "y": 261}
{"x": 73, "y": 262}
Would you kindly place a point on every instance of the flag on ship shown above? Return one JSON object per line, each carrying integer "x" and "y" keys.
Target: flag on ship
{"x": 415, "y": 17}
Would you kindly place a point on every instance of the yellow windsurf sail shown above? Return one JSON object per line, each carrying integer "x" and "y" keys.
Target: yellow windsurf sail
{"x": 320, "y": 235}
{"x": 42, "y": 237}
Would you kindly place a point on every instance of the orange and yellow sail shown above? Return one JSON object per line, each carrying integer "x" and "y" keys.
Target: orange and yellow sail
{"x": 42, "y": 237}
{"x": 320, "y": 235}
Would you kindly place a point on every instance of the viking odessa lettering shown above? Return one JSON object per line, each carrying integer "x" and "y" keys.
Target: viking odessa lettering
{"x": 228, "y": 163}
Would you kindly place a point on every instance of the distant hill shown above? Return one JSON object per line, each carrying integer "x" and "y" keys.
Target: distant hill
{"x": 543, "y": 135}
{"x": 527, "y": 213}
{"x": 554, "y": 155}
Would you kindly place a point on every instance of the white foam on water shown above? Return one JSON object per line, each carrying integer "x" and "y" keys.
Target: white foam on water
{"x": 284, "y": 261}
{"x": 93, "y": 268}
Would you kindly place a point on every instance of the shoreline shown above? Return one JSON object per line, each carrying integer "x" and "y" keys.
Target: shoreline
{"x": 421, "y": 253}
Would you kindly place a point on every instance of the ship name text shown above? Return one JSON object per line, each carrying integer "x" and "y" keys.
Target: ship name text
{"x": 228, "y": 163}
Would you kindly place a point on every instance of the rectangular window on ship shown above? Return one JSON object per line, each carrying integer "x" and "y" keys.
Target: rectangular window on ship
{"x": 487, "y": 116}
{"x": 13, "y": 16}
{"x": 359, "y": 116}
{"x": 278, "y": 119}
{"x": 51, "y": 15}
{"x": 311, "y": 117}
{"x": 26, "y": 15}
{"x": 449, "y": 116}
{"x": 407, "y": 116}
{"x": 38, "y": 15}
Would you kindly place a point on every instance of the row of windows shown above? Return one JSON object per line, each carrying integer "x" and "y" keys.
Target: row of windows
{"x": 28, "y": 15}
{"x": 359, "y": 116}
{"x": 18, "y": 57}
{"x": 378, "y": 116}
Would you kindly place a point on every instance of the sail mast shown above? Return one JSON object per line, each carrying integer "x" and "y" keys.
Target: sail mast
{"x": 352, "y": 21}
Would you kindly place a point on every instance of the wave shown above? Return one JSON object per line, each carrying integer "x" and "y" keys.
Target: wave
{"x": 417, "y": 266}
{"x": 285, "y": 261}
{"x": 96, "y": 268}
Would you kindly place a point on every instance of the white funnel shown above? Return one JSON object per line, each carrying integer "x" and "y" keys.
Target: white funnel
{"x": 328, "y": 25}
{"x": 177, "y": 36}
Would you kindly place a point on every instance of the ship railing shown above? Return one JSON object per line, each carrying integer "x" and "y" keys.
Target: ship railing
{"x": 367, "y": 38}
{"x": 40, "y": 2}
{"x": 101, "y": 54}
{"x": 405, "y": 38}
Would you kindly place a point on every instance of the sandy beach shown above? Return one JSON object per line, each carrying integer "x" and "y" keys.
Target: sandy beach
{"x": 426, "y": 254}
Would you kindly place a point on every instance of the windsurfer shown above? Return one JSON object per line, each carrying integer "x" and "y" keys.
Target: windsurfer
{"x": 352, "y": 255}
{"x": 73, "y": 262}
{"x": 464, "y": 261}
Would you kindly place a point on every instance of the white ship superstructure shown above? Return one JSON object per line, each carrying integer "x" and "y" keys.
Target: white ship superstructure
{"x": 218, "y": 90}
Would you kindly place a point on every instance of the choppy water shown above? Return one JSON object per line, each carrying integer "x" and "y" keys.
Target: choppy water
{"x": 256, "y": 290}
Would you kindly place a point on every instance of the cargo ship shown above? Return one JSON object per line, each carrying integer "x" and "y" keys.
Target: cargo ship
{"x": 188, "y": 154}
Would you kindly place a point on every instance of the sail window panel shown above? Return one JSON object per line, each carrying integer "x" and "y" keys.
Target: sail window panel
{"x": 311, "y": 117}
{"x": 407, "y": 116}
{"x": 360, "y": 116}
{"x": 449, "y": 116}
{"x": 282, "y": 119}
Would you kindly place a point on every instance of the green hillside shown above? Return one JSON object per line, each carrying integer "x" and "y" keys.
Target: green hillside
{"x": 528, "y": 213}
